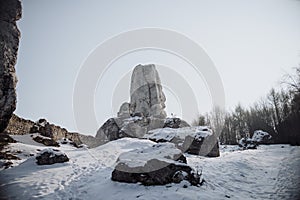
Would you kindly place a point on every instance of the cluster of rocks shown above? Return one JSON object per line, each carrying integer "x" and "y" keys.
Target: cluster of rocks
{"x": 144, "y": 117}
{"x": 20, "y": 126}
{"x": 51, "y": 156}
{"x": 10, "y": 12}
{"x": 258, "y": 137}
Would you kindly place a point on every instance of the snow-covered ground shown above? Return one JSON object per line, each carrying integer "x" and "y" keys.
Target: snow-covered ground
{"x": 270, "y": 172}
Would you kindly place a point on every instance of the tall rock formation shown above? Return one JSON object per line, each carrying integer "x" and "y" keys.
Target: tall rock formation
{"x": 10, "y": 12}
{"x": 146, "y": 95}
{"x": 145, "y": 111}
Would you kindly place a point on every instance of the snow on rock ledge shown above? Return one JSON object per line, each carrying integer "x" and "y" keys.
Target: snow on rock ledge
{"x": 155, "y": 165}
{"x": 198, "y": 140}
{"x": 51, "y": 156}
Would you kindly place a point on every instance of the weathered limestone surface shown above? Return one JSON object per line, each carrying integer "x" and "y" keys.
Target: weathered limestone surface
{"x": 10, "y": 12}
{"x": 146, "y": 95}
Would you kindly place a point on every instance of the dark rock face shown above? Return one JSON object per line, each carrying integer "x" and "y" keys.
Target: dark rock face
{"x": 51, "y": 156}
{"x": 199, "y": 147}
{"x": 10, "y": 12}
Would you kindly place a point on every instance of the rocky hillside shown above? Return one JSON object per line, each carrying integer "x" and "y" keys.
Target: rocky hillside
{"x": 20, "y": 126}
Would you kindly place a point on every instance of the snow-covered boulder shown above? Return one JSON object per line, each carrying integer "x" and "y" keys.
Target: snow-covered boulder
{"x": 258, "y": 137}
{"x": 51, "y": 156}
{"x": 261, "y": 137}
{"x": 247, "y": 143}
{"x": 156, "y": 165}
{"x": 198, "y": 140}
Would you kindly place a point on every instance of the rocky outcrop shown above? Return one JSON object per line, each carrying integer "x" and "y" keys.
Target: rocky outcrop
{"x": 20, "y": 126}
{"x": 10, "y": 12}
{"x": 145, "y": 111}
{"x": 157, "y": 165}
{"x": 146, "y": 95}
{"x": 51, "y": 156}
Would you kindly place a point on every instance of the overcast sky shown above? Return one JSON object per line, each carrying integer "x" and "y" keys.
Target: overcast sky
{"x": 252, "y": 44}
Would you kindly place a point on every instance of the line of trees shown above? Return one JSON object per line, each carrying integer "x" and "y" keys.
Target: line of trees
{"x": 278, "y": 114}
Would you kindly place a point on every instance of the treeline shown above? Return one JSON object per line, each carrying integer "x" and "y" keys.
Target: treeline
{"x": 278, "y": 114}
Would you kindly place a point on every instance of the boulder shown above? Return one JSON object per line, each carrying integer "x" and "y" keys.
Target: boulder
{"x": 157, "y": 165}
{"x": 10, "y": 12}
{"x": 258, "y": 137}
{"x": 261, "y": 137}
{"x": 51, "y": 156}
{"x": 45, "y": 140}
{"x": 109, "y": 130}
{"x": 247, "y": 143}
{"x": 198, "y": 140}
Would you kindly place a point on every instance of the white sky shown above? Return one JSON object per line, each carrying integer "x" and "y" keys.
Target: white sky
{"x": 252, "y": 43}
